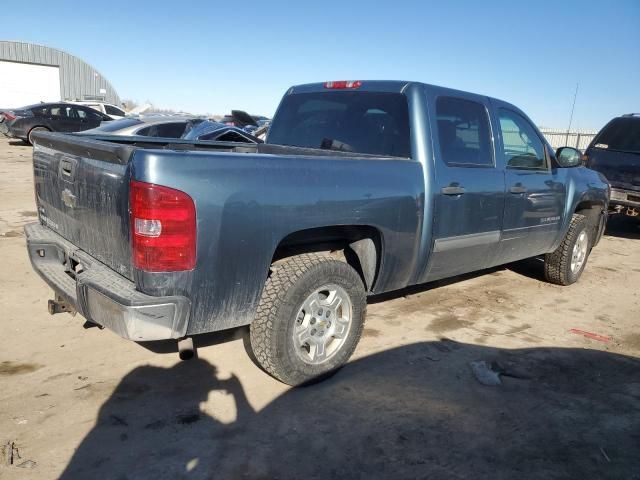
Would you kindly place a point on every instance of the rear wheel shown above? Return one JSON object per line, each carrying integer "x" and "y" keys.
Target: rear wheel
{"x": 565, "y": 265}
{"x": 36, "y": 129}
{"x": 310, "y": 318}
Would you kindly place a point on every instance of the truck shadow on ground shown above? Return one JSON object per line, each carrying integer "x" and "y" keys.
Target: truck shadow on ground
{"x": 415, "y": 411}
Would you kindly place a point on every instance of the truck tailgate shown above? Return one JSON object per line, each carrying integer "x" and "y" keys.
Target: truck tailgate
{"x": 82, "y": 193}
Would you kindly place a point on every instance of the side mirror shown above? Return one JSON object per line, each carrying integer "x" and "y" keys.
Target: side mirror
{"x": 568, "y": 157}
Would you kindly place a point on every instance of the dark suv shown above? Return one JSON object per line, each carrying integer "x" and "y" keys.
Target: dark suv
{"x": 53, "y": 117}
{"x": 615, "y": 152}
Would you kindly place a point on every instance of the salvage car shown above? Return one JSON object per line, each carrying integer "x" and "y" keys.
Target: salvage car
{"x": 363, "y": 187}
{"x": 23, "y": 122}
{"x": 241, "y": 119}
{"x": 167, "y": 126}
{"x": 615, "y": 152}
{"x": 215, "y": 131}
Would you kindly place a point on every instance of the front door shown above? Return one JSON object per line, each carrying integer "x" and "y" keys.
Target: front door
{"x": 536, "y": 192}
{"x": 470, "y": 189}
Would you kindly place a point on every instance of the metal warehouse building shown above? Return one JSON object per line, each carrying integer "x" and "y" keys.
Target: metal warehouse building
{"x": 31, "y": 73}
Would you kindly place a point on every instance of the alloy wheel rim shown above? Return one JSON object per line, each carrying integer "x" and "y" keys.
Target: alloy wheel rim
{"x": 579, "y": 253}
{"x": 322, "y": 324}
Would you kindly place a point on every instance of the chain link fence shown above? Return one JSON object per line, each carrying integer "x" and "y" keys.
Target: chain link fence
{"x": 579, "y": 139}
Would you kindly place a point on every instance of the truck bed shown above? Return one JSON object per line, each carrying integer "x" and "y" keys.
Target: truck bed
{"x": 249, "y": 201}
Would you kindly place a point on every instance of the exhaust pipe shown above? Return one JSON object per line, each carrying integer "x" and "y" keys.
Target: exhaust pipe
{"x": 187, "y": 349}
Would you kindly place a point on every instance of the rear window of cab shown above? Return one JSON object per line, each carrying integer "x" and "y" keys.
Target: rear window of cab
{"x": 361, "y": 122}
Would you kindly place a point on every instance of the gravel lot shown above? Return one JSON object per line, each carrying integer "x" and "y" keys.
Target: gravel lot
{"x": 85, "y": 404}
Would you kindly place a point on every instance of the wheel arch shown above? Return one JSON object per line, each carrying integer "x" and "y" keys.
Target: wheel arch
{"x": 360, "y": 246}
{"x": 596, "y": 212}
{"x": 33, "y": 128}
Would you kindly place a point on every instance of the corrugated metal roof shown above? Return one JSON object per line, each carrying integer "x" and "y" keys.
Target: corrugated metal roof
{"x": 78, "y": 79}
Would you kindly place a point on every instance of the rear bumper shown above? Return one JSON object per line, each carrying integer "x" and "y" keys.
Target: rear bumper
{"x": 100, "y": 294}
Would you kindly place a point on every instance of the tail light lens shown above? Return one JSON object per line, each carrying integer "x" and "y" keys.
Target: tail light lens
{"x": 8, "y": 116}
{"x": 163, "y": 228}
{"x": 343, "y": 84}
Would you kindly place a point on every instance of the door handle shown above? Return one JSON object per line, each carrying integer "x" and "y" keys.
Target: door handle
{"x": 453, "y": 190}
{"x": 518, "y": 189}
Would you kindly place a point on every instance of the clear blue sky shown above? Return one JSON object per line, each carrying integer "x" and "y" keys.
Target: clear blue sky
{"x": 211, "y": 56}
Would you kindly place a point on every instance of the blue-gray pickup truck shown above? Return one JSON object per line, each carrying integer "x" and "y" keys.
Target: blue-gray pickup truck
{"x": 362, "y": 187}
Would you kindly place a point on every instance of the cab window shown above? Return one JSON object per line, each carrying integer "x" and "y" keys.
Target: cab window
{"x": 374, "y": 123}
{"x": 521, "y": 144}
{"x": 463, "y": 132}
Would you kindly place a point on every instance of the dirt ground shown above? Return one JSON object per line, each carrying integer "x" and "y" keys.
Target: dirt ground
{"x": 85, "y": 404}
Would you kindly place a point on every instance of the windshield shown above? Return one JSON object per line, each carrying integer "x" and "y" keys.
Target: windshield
{"x": 622, "y": 134}
{"x": 116, "y": 125}
{"x": 363, "y": 122}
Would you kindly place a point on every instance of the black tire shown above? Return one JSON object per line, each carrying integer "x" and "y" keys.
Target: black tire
{"x": 557, "y": 265}
{"x": 289, "y": 286}
{"x": 35, "y": 129}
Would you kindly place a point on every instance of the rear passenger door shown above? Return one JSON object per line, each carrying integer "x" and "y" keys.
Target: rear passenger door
{"x": 536, "y": 191}
{"x": 469, "y": 188}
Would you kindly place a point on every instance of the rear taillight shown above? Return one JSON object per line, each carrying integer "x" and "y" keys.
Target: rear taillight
{"x": 8, "y": 116}
{"x": 163, "y": 228}
{"x": 342, "y": 84}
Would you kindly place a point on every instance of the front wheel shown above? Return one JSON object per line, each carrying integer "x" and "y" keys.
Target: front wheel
{"x": 565, "y": 265}
{"x": 310, "y": 318}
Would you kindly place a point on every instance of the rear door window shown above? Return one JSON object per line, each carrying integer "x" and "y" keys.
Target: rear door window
{"x": 62, "y": 112}
{"x": 463, "y": 132}
{"x": 362, "y": 122}
{"x": 75, "y": 113}
{"x": 621, "y": 134}
{"x": 89, "y": 114}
